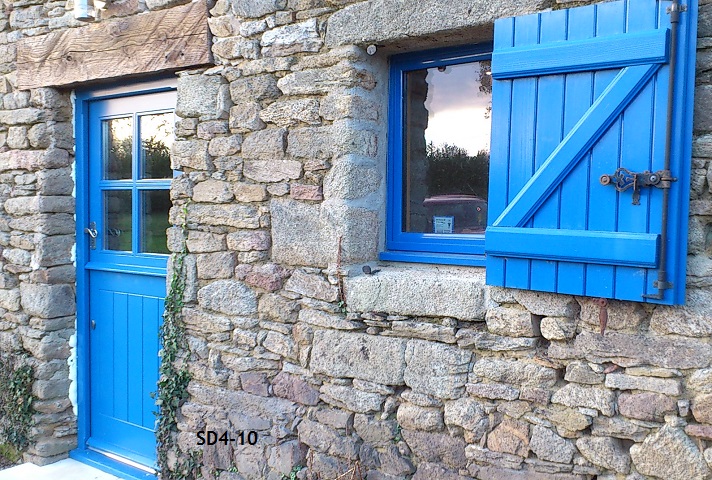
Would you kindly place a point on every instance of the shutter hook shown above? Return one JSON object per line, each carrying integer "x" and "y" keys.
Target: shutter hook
{"x": 602, "y": 314}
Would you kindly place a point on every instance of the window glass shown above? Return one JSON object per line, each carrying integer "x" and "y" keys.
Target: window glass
{"x": 447, "y": 148}
{"x": 117, "y": 219}
{"x": 118, "y": 138}
{"x": 156, "y": 142}
{"x": 155, "y": 205}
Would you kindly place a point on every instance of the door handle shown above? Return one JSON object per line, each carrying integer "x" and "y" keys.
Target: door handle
{"x": 93, "y": 233}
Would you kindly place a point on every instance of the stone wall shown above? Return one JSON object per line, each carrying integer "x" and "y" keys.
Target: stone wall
{"x": 37, "y": 224}
{"x": 416, "y": 371}
{"x": 427, "y": 373}
{"x": 37, "y": 301}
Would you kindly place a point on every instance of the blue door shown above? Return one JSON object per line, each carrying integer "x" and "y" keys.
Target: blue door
{"x": 128, "y": 141}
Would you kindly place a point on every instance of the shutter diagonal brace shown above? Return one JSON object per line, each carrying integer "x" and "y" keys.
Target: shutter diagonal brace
{"x": 662, "y": 282}
{"x": 594, "y": 123}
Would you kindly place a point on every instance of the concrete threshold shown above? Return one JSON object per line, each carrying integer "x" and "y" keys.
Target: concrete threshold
{"x": 68, "y": 469}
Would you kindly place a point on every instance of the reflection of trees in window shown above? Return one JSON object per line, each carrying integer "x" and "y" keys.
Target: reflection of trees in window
{"x": 156, "y": 157}
{"x": 155, "y": 148}
{"x": 485, "y": 81}
{"x": 120, "y": 159}
{"x": 118, "y": 164}
{"x": 452, "y": 171}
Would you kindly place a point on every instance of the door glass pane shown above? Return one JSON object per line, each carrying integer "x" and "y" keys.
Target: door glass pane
{"x": 446, "y": 154}
{"x": 154, "y": 220}
{"x": 117, "y": 220}
{"x": 156, "y": 142}
{"x": 118, "y": 138}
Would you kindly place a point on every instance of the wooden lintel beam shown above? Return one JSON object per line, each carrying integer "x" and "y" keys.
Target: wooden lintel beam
{"x": 158, "y": 41}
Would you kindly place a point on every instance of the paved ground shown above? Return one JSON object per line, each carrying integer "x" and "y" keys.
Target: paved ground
{"x": 63, "y": 470}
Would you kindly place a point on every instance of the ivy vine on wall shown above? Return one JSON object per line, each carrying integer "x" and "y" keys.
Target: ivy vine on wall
{"x": 16, "y": 398}
{"x": 174, "y": 375}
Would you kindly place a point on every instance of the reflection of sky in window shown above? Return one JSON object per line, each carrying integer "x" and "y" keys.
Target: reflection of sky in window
{"x": 457, "y": 109}
{"x": 159, "y": 128}
{"x": 121, "y": 128}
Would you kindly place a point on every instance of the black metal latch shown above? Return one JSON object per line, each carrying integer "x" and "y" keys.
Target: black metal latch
{"x": 624, "y": 179}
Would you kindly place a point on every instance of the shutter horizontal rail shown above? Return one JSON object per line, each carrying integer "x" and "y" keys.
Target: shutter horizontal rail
{"x": 607, "y": 248}
{"x": 597, "y": 53}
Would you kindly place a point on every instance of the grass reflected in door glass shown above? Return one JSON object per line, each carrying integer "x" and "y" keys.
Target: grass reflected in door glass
{"x": 117, "y": 220}
{"x": 154, "y": 220}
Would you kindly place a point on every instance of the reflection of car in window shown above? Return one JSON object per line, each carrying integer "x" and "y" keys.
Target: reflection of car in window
{"x": 468, "y": 213}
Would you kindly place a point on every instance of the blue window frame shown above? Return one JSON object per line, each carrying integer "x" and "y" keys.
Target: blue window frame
{"x": 416, "y": 209}
{"x": 134, "y": 178}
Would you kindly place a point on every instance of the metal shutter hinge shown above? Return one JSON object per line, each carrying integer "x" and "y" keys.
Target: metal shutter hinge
{"x": 676, "y": 7}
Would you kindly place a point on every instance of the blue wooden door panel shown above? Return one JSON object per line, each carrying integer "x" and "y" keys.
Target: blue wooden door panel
{"x": 116, "y": 324}
{"x": 577, "y": 94}
{"x": 124, "y": 362}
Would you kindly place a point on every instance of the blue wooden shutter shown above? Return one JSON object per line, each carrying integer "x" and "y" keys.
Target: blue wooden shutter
{"x": 577, "y": 94}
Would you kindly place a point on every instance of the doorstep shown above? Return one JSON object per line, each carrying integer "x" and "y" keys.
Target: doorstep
{"x": 68, "y": 469}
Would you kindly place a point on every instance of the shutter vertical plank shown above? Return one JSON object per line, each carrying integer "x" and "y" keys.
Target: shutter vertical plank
{"x": 549, "y": 132}
{"x": 571, "y": 276}
{"x": 499, "y": 153}
{"x": 638, "y": 136}
{"x": 522, "y": 140}
{"x": 681, "y": 164}
{"x": 611, "y": 19}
